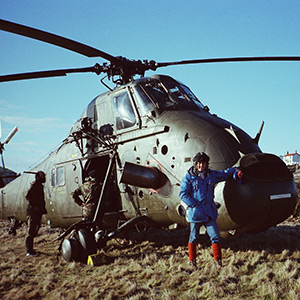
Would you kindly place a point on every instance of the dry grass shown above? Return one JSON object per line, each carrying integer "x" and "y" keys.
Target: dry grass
{"x": 154, "y": 265}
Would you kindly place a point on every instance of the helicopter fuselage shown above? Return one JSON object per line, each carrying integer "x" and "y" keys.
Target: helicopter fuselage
{"x": 156, "y": 125}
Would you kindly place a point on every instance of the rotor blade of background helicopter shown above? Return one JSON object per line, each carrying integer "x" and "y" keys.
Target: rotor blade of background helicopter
{"x": 3, "y": 164}
{"x": 54, "y": 39}
{"x": 51, "y": 73}
{"x": 232, "y": 59}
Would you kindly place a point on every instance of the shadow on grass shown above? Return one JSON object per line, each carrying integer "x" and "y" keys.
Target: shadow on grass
{"x": 274, "y": 240}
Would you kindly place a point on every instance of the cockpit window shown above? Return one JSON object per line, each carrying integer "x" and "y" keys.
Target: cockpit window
{"x": 191, "y": 95}
{"x": 158, "y": 94}
{"x": 124, "y": 113}
{"x": 171, "y": 95}
{"x": 144, "y": 103}
{"x": 175, "y": 92}
{"x": 182, "y": 94}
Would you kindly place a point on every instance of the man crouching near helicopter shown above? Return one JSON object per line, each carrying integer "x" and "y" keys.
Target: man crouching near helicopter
{"x": 35, "y": 209}
{"x": 197, "y": 192}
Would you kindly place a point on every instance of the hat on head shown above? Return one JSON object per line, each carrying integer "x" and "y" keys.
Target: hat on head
{"x": 40, "y": 176}
{"x": 200, "y": 156}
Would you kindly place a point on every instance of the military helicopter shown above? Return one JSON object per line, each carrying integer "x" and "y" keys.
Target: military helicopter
{"x": 140, "y": 138}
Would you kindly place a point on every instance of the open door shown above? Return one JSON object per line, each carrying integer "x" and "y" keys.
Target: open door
{"x": 111, "y": 201}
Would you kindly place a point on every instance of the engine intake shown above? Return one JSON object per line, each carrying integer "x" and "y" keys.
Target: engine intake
{"x": 265, "y": 167}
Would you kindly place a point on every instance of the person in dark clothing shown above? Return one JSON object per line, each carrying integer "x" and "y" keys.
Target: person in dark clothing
{"x": 197, "y": 192}
{"x": 87, "y": 195}
{"x": 35, "y": 209}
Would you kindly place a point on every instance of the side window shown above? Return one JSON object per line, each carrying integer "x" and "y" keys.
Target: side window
{"x": 58, "y": 177}
{"x": 53, "y": 177}
{"x": 124, "y": 112}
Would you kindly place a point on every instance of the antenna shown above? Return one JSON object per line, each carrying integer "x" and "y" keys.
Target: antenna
{"x": 257, "y": 137}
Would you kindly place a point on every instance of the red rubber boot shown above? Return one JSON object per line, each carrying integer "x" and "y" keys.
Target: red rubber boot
{"x": 217, "y": 251}
{"x": 193, "y": 255}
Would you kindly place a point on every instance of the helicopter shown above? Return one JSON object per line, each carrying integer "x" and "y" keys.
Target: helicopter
{"x": 140, "y": 138}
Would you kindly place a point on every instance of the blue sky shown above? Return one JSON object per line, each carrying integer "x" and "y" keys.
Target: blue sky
{"x": 243, "y": 93}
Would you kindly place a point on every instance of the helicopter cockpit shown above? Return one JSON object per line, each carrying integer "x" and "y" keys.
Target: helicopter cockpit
{"x": 164, "y": 93}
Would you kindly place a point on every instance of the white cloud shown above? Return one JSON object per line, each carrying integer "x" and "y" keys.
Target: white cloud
{"x": 36, "y": 125}
{"x": 6, "y": 107}
{"x": 35, "y": 139}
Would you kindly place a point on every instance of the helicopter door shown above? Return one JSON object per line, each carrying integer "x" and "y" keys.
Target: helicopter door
{"x": 99, "y": 164}
{"x": 111, "y": 195}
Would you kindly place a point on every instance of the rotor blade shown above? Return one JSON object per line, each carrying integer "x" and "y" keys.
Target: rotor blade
{"x": 229, "y": 59}
{"x": 54, "y": 39}
{"x": 3, "y": 164}
{"x": 51, "y": 73}
{"x": 10, "y": 136}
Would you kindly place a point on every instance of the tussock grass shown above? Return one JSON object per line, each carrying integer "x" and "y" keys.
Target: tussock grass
{"x": 154, "y": 265}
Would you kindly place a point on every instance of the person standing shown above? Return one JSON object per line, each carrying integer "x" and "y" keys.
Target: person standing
{"x": 90, "y": 192}
{"x": 35, "y": 209}
{"x": 197, "y": 192}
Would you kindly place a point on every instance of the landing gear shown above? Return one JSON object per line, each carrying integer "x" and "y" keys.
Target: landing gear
{"x": 79, "y": 246}
{"x": 70, "y": 249}
{"x": 84, "y": 240}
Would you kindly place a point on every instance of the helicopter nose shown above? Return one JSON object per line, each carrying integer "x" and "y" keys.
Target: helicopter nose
{"x": 265, "y": 196}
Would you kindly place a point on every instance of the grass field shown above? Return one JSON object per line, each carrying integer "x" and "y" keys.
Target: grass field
{"x": 154, "y": 265}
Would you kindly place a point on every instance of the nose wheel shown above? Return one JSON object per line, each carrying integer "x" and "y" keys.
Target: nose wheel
{"x": 79, "y": 246}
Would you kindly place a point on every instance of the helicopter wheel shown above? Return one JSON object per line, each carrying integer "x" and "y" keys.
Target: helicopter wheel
{"x": 88, "y": 244}
{"x": 70, "y": 250}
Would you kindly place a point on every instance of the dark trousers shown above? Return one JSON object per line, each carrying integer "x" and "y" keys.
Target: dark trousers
{"x": 33, "y": 223}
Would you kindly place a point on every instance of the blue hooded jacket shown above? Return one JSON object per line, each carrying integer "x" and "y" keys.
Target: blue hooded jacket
{"x": 198, "y": 193}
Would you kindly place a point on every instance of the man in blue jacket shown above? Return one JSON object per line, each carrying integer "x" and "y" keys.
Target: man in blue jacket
{"x": 197, "y": 192}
